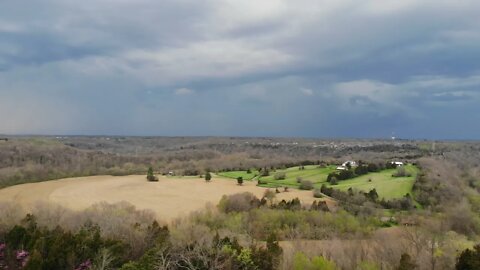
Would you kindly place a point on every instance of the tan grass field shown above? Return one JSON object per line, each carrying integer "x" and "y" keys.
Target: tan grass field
{"x": 169, "y": 198}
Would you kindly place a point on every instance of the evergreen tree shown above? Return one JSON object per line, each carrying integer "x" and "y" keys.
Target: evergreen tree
{"x": 150, "y": 175}
{"x": 406, "y": 263}
{"x": 208, "y": 176}
{"x": 469, "y": 259}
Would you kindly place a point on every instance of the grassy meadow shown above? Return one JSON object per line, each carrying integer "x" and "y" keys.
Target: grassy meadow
{"x": 235, "y": 174}
{"x": 387, "y": 186}
{"x": 314, "y": 173}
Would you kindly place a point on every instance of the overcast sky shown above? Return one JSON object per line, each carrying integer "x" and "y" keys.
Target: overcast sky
{"x": 241, "y": 68}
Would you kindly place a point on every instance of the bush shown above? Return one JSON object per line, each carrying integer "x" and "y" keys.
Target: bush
{"x": 280, "y": 176}
{"x": 319, "y": 206}
{"x": 401, "y": 172}
{"x": 306, "y": 185}
{"x": 333, "y": 180}
{"x": 317, "y": 193}
{"x": 238, "y": 202}
{"x": 361, "y": 170}
{"x": 469, "y": 259}
{"x": 208, "y": 176}
{"x": 240, "y": 180}
{"x": 150, "y": 176}
{"x": 301, "y": 262}
{"x": 299, "y": 179}
{"x": 269, "y": 195}
{"x": 372, "y": 167}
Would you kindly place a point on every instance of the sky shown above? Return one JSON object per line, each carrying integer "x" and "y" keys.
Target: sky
{"x": 304, "y": 68}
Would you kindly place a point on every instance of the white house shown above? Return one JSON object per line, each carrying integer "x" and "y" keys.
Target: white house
{"x": 351, "y": 162}
{"x": 397, "y": 163}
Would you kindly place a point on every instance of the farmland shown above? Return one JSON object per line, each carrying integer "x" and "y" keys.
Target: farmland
{"x": 169, "y": 198}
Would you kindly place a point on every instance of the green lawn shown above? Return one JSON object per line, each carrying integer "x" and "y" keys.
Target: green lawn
{"x": 311, "y": 172}
{"x": 387, "y": 186}
{"x": 236, "y": 174}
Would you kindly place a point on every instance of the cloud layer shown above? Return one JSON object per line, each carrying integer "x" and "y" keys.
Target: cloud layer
{"x": 249, "y": 68}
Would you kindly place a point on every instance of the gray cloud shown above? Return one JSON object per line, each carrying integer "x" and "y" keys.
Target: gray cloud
{"x": 283, "y": 68}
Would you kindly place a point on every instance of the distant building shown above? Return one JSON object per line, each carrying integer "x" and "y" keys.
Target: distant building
{"x": 351, "y": 162}
{"x": 397, "y": 163}
{"x": 346, "y": 164}
{"x": 3, "y": 139}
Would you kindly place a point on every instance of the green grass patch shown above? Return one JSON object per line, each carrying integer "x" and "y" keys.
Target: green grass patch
{"x": 387, "y": 186}
{"x": 312, "y": 173}
{"x": 236, "y": 174}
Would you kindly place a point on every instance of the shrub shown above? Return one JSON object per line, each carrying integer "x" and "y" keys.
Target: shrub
{"x": 333, "y": 180}
{"x": 372, "y": 167}
{"x": 240, "y": 180}
{"x": 150, "y": 176}
{"x": 306, "y": 185}
{"x": 361, "y": 170}
{"x": 269, "y": 195}
{"x": 401, "y": 172}
{"x": 238, "y": 202}
{"x": 319, "y": 206}
{"x": 301, "y": 262}
{"x": 280, "y": 176}
{"x": 299, "y": 179}
{"x": 317, "y": 193}
{"x": 469, "y": 259}
{"x": 406, "y": 262}
{"x": 208, "y": 176}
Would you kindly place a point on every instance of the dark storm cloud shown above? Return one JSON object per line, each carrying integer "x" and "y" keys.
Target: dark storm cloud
{"x": 282, "y": 68}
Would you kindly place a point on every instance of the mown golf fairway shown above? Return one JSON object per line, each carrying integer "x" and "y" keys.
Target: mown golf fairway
{"x": 387, "y": 186}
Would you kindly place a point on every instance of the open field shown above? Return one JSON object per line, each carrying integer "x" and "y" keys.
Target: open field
{"x": 236, "y": 174}
{"x": 312, "y": 173}
{"x": 169, "y": 198}
{"x": 387, "y": 186}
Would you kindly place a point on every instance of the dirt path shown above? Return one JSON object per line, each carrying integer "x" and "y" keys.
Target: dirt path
{"x": 169, "y": 198}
